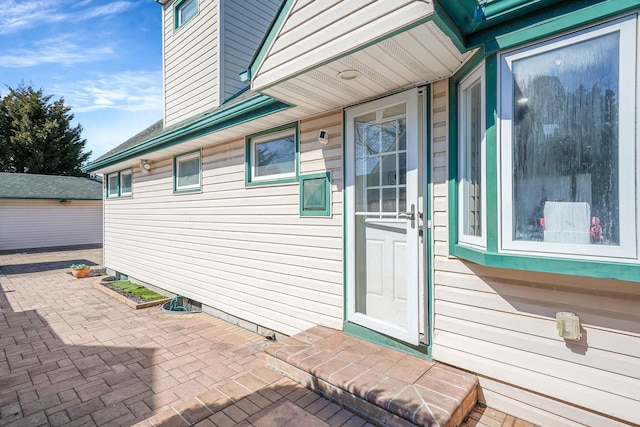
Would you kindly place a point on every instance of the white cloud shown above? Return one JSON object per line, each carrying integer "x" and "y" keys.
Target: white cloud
{"x": 128, "y": 91}
{"x": 16, "y": 15}
{"x": 61, "y": 50}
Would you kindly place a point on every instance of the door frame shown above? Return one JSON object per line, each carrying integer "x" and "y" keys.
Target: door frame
{"x": 410, "y": 335}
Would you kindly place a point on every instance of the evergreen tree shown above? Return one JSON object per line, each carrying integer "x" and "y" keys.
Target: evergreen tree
{"x": 36, "y": 135}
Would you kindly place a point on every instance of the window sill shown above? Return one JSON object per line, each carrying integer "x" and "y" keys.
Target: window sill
{"x": 188, "y": 191}
{"x": 292, "y": 180}
{"x": 567, "y": 266}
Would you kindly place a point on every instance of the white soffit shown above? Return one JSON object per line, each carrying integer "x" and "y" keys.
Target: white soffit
{"x": 420, "y": 55}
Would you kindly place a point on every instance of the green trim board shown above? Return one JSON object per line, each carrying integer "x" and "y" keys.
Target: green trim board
{"x": 270, "y": 36}
{"x": 248, "y": 178}
{"x": 550, "y": 21}
{"x": 357, "y": 331}
{"x": 252, "y": 108}
{"x": 438, "y": 17}
{"x": 315, "y": 194}
{"x": 491, "y": 256}
{"x": 176, "y": 14}
{"x": 193, "y": 189}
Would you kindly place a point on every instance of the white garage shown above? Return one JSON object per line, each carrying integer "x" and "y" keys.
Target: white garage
{"x": 39, "y": 211}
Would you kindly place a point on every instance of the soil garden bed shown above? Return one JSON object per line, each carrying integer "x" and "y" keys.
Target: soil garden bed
{"x": 147, "y": 299}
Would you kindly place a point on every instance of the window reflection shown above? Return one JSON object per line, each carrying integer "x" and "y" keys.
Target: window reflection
{"x": 565, "y": 144}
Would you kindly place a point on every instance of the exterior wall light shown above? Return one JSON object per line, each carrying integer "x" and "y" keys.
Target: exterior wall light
{"x": 145, "y": 166}
{"x": 568, "y": 326}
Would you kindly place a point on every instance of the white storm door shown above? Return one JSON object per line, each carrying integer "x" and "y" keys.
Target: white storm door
{"x": 381, "y": 183}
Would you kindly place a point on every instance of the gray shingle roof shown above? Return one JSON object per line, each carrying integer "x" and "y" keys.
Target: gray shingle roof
{"x": 32, "y": 186}
{"x": 156, "y": 129}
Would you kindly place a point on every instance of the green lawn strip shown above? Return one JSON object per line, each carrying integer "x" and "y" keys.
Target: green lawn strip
{"x": 138, "y": 290}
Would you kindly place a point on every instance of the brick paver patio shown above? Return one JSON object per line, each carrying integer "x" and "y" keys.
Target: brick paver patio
{"x": 71, "y": 355}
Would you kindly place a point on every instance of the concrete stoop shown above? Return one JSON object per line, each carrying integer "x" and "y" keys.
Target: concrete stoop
{"x": 386, "y": 386}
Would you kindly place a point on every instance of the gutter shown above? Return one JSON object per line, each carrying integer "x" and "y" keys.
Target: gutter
{"x": 242, "y": 112}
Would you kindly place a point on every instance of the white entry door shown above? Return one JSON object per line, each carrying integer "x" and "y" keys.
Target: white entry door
{"x": 381, "y": 183}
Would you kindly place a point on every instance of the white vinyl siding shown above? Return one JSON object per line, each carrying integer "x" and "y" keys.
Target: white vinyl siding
{"x": 244, "y": 27}
{"x": 316, "y": 31}
{"x": 501, "y": 324}
{"x": 191, "y": 63}
{"x": 203, "y": 60}
{"x": 244, "y": 251}
{"x": 48, "y": 223}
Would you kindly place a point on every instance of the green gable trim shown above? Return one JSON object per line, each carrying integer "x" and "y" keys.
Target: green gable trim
{"x": 271, "y": 35}
{"x": 438, "y": 17}
{"x": 242, "y": 112}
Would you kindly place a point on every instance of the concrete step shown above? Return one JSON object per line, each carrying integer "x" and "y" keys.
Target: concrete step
{"x": 386, "y": 386}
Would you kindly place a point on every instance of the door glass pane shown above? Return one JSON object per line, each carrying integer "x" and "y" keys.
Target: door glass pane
{"x": 565, "y": 144}
{"x": 389, "y": 200}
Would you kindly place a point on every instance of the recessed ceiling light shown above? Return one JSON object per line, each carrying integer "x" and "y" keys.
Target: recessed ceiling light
{"x": 349, "y": 74}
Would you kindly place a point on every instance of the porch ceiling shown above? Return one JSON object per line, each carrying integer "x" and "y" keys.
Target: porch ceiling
{"x": 414, "y": 57}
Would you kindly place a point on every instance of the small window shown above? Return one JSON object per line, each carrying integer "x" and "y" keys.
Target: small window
{"x": 184, "y": 11}
{"x": 471, "y": 162}
{"x": 112, "y": 185}
{"x": 273, "y": 156}
{"x": 315, "y": 195}
{"x": 125, "y": 183}
{"x": 187, "y": 172}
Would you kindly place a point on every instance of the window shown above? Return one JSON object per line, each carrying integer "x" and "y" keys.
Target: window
{"x": 273, "y": 156}
{"x": 315, "y": 195}
{"x": 568, "y": 175}
{"x": 119, "y": 184}
{"x": 125, "y": 183}
{"x": 112, "y": 185}
{"x": 187, "y": 172}
{"x": 471, "y": 162}
{"x": 184, "y": 11}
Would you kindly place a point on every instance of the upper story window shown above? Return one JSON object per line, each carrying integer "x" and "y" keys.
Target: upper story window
{"x": 471, "y": 161}
{"x": 273, "y": 156}
{"x": 184, "y": 11}
{"x": 187, "y": 173}
{"x": 567, "y": 109}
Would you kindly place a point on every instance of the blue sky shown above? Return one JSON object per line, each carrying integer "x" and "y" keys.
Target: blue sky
{"x": 104, "y": 57}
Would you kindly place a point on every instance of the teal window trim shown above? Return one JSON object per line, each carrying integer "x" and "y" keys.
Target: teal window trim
{"x": 249, "y": 180}
{"x": 326, "y": 210}
{"x": 176, "y": 14}
{"x": 125, "y": 172}
{"x": 187, "y": 190}
{"x": 491, "y": 256}
{"x": 118, "y": 176}
{"x": 109, "y": 187}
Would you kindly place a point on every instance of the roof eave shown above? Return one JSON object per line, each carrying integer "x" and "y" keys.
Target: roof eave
{"x": 249, "y": 109}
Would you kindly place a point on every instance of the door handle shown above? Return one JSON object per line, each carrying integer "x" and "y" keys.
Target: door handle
{"x": 410, "y": 215}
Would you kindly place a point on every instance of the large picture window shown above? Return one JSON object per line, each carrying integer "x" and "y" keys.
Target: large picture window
{"x": 471, "y": 162}
{"x": 567, "y": 111}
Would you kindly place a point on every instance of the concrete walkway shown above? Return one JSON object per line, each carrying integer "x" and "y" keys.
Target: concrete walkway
{"x": 71, "y": 355}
